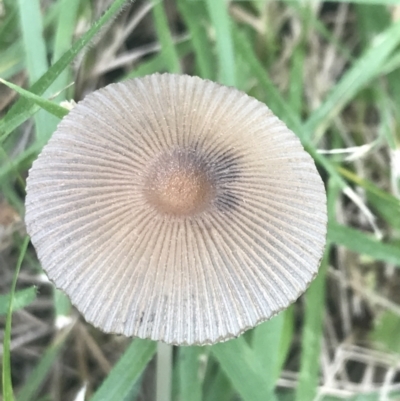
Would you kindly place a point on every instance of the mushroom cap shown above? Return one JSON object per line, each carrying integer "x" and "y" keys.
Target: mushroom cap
{"x": 173, "y": 208}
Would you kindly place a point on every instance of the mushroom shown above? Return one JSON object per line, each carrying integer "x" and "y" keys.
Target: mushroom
{"x": 173, "y": 208}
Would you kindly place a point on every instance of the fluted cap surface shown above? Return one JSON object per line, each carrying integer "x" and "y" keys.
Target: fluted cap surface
{"x": 173, "y": 208}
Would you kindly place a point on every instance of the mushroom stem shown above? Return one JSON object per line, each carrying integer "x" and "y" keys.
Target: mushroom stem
{"x": 164, "y": 372}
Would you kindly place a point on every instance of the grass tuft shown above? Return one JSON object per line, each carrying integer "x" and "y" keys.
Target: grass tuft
{"x": 331, "y": 72}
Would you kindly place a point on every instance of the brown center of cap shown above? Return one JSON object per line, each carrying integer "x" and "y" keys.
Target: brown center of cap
{"x": 178, "y": 184}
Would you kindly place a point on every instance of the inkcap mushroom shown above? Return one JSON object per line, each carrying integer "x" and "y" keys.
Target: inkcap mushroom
{"x": 173, "y": 208}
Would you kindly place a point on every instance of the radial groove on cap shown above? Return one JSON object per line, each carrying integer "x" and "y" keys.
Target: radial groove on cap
{"x": 173, "y": 208}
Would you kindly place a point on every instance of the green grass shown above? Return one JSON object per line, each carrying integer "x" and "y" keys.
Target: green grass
{"x": 190, "y": 373}
{"x": 224, "y": 44}
{"x": 121, "y": 380}
{"x": 250, "y": 45}
{"x": 21, "y": 299}
{"x": 8, "y": 394}
{"x": 243, "y": 366}
{"x": 168, "y": 50}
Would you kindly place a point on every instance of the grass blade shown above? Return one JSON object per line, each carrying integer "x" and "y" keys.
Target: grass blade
{"x": 63, "y": 40}
{"x": 385, "y": 204}
{"x": 363, "y": 244}
{"x": 189, "y": 373}
{"x": 23, "y": 160}
{"x": 204, "y": 58}
{"x": 221, "y": 23}
{"x": 36, "y": 57}
{"x": 24, "y": 108}
{"x": 272, "y": 97}
{"x": 164, "y": 36}
{"x": 52, "y": 108}
{"x": 314, "y": 314}
{"x": 6, "y": 371}
{"x": 21, "y": 299}
{"x": 243, "y": 367}
{"x": 157, "y": 63}
{"x": 35, "y": 380}
{"x": 220, "y": 388}
{"x": 312, "y": 335}
{"x": 366, "y": 68}
{"x": 120, "y": 381}
{"x": 266, "y": 344}
{"x": 8, "y": 25}
{"x": 34, "y": 44}
{"x": 11, "y": 61}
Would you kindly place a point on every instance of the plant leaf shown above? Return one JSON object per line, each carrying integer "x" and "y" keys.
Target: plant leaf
{"x": 8, "y": 394}
{"x": 45, "y": 104}
{"x": 21, "y": 299}
{"x": 25, "y": 108}
{"x": 121, "y": 379}
{"x": 243, "y": 367}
